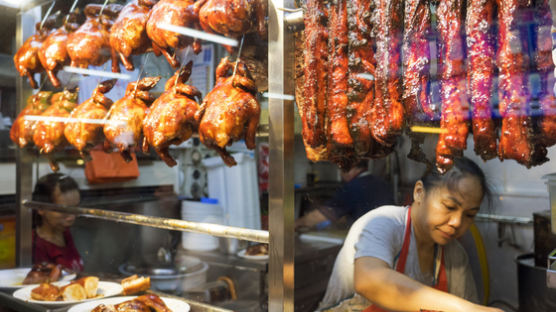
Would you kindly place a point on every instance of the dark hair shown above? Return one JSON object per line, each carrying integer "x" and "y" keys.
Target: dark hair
{"x": 463, "y": 166}
{"x": 46, "y": 185}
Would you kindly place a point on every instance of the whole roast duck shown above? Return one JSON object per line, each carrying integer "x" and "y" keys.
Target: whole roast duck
{"x": 230, "y": 111}
{"x": 85, "y": 130}
{"x": 26, "y": 59}
{"x": 124, "y": 125}
{"x": 171, "y": 118}
{"x": 128, "y": 35}
{"x": 184, "y": 13}
{"x": 53, "y": 52}
{"x": 89, "y": 45}
{"x": 22, "y": 129}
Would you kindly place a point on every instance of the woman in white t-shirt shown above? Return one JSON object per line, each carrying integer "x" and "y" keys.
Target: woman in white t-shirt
{"x": 408, "y": 258}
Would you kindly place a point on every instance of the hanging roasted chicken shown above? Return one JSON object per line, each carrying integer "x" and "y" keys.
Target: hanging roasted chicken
{"x": 234, "y": 18}
{"x": 53, "y": 52}
{"x": 124, "y": 125}
{"x": 128, "y": 35}
{"x": 90, "y": 44}
{"x": 26, "y": 59}
{"x": 230, "y": 111}
{"x": 171, "y": 118}
{"x": 22, "y": 129}
{"x": 184, "y": 13}
{"x": 49, "y": 132}
{"x": 84, "y": 131}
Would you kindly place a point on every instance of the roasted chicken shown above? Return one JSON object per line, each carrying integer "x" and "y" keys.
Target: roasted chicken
{"x": 22, "y": 129}
{"x": 183, "y": 13}
{"x": 171, "y": 118}
{"x": 85, "y": 130}
{"x": 53, "y": 52}
{"x": 26, "y": 59}
{"x": 43, "y": 273}
{"x": 124, "y": 125}
{"x": 234, "y": 18}
{"x": 89, "y": 44}
{"x": 128, "y": 35}
{"x": 230, "y": 111}
{"x": 144, "y": 303}
{"x": 49, "y": 133}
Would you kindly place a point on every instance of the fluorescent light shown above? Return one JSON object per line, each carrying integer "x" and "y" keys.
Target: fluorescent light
{"x": 71, "y": 120}
{"x": 12, "y": 3}
{"x": 199, "y": 34}
{"x": 94, "y": 72}
{"x": 287, "y": 97}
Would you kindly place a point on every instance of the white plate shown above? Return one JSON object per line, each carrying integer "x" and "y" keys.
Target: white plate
{"x": 242, "y": 254}
{"x": 12, "y": 279}
{"x": 173, "y": 304}
{"x": 105, "y": 289}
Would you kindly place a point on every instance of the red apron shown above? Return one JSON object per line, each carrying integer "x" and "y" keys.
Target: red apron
{"x": 442, "y": 283}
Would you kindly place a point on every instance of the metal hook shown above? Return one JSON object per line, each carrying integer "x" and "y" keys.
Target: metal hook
{"x": 102, "y": 9}
{"x": 47, "y": 14}
{"x": 71, "y": 10}
{"x": 140, "y": 73}
{"x": 238, "y": 56}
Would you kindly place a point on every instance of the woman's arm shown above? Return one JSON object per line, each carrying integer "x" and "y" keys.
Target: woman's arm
{"x": 377, "y": 282}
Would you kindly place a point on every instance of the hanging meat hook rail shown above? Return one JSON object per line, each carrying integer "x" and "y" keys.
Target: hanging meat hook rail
{"x": 156, "y": 222}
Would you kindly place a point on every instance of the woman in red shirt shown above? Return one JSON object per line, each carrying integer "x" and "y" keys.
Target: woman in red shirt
{"x": 52, "y": 240}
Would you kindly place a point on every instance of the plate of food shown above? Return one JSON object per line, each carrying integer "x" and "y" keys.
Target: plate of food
{"x": 12, "y": 279}
{"x": 146, "y": 302}
{"x": 66, "y": 293}
{"x": 255, "y": 252}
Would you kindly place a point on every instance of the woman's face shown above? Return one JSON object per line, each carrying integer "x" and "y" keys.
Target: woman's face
{"x": 58, "y": 220}
{"x": 447, "y": 214}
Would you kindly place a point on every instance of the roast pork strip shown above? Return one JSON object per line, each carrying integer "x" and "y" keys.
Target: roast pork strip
{"x": 516, "y": 135}
{"x": 316, "y": 71}
{"x": 455, "y": 109}
{"x": 387, "y": 112}
{"x": 545, "y": 66}
{"x": 480, "y": 74}
{"x": 361, "y": 74}
{"x": 339, "y": 140}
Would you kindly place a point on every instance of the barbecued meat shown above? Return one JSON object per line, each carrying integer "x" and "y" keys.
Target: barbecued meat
{"x": 183, "y": 13}
{"x": 234, "y": 18}
{"x": 45, "y": 292}
{"x": 312, "y": 105}
{"x": 340, "y": 143}
{"x": 455, "y": 109}
{"x": 49, "y": 133}
{"x": 89, "y": 44}
{"x": 145, "y": 303}
{"x": 26, "y": 59}
{"x": 53, "y": 52}
{"x": 517, "y": 133}
{"x": 387, "y": 112}
{"x": 132, "y": 306}
{"x": 480, "y": 73}
{"x": 171, "y": 118}
{"x": 124, "y": 125}
{"x": 43, "y": 273}
{"x": 545, "y": 66}
{"x": 230, "y": 111}
{"x": 87, "y": 133}
{"x": 128, "y": 35}
{"x": 153, "y": 302}
{"x": 22, "y": 129}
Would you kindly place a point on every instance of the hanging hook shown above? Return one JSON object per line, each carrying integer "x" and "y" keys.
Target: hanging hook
{"x": 71, "y": 10}
{"x": 140, "y": 73}
{"x": 102, "y": 9}
{"x": 47, "y": 14}
{"x": 238, "y": 55}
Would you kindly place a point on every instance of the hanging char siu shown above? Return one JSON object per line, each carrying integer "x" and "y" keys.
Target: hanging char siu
{"x": 128, "y": 35}
{"x": 22, "y": 129}
{"x": 183, "y": 13}
{"x": 171, "y": 118}
{"x": 89, "y": 44}
{"x": 124, "y": 125}
{"x": 230, "y": 111}
{"x": 86, "y": 133}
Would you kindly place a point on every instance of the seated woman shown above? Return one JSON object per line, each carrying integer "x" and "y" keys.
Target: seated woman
{"x": 52, "y": 240}
{"x": 407, "y": 258}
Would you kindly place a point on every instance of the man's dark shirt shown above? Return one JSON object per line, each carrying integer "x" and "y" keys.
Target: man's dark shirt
{"x": 356, "y": 197}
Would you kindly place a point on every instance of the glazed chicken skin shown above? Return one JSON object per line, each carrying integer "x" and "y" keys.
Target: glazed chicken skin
{"x": 234, "y": 18}
{"x": 183, "y": 13}
{"x": 49, "y": 134}
{"x": 128, "y": 35}
{"x": 22, "y": 129}
{"x": 171, "y": 118}
{"x": 124, "y": 125}
{"x": 144, "y": 303}
{"x": 83, "y": 134}
{"x": 230, "y": 111}
{"x": 26, "y": 59}
{"x": 90, "y": 44}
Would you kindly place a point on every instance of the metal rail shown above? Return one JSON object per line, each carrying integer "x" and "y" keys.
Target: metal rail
{"x": 156, "y": 222}
{"x": 503, "y": 219}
